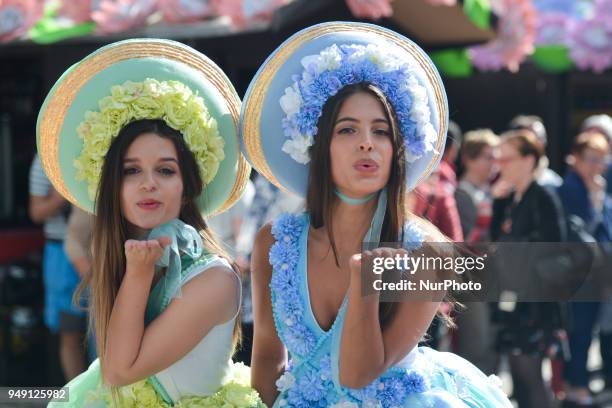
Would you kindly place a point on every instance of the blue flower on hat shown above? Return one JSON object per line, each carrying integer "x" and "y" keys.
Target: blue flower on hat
{"x": 334, "y": 68}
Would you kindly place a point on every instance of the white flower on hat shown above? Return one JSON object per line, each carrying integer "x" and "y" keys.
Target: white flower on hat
{"x": 420, "y": 113}
{"x": 495, "y": 381}
{"x": 297, "y": 148}
{"x": 430, "y": 136}
{"x": 329, "y": 59}
{"x": 285, "y": 382}
{"x": 339, "y": 66}
{"x": 291, "y": 101}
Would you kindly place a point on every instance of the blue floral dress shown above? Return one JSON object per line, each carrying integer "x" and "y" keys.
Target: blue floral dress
{"x": 424, "y": 378}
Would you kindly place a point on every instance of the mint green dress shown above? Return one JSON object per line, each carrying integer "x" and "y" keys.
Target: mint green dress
{"x": 204, "y": 377}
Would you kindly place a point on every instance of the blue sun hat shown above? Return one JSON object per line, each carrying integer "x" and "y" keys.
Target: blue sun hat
{"x": 285, "y": 99}
{"x": 142, "y": 79}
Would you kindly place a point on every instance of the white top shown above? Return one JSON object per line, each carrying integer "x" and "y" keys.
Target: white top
{"x": 203, "y": 370}
{"x": 55, "y": 225}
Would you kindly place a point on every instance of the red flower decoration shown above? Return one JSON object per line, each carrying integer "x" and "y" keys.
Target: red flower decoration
{"x": 185, "y": 11}
{"x": 112, "y": 16}
{"x": 442, "y": 2}
{"x": 591, "y": 43}
{"x": 18, "y": 16}
{"x": 515, "y": 38}
{"x": 76, "y": 11}
{"x": 242, "y": 12}
{"x": 372, "y": 9}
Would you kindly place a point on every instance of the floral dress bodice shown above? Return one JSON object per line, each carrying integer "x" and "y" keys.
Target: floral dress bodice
{"x": 311, "y": 378}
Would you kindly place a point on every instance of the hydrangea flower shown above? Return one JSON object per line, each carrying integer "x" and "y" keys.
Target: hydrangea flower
{"x": 17, "y": 17}
{"x": 345, "y": 404}
{"x": 245, "y": 12}
{"x": 285, "y": 382}
{"x": 567, "y": 7}
{"x": 287, "y": 304}
{"x": 287, "y": 228}
{"x": 185, "y": 11}
{"x": 283, "y": 256}
{"x": 392, "y": 392}
{"x": 170, "y": 101}
{"x": 413, "y": 236}
{"x": 113, "y": 16}
{"x": 515, "y": 39}
{"x": 336, "y": 67}
{"x": 311, "y": 386}
{"x": 591, "y": 43}
{"x": 603, "y": 7}
{"x": 299, "y": 339}
{"x": 374, "y": 9}
{"x": 553, "y": 29}
{"x": 290, "y": 308}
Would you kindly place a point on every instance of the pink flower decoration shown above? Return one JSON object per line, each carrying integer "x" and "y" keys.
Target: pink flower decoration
{"x": 515, "y": 38}
{"x": 442, "y": 2}
{"x": 591, "y": 43}
{"x": 372, "y": 9}
{"x": 242, "y": 12}
{"x": 185, "y": 11}
{"x": 603, "y": 7}
{"x": 18, "y": 16}
{"x": 112, "y": 16}
{"x": 553, "y": 29}
{"x": 76, "y": 11}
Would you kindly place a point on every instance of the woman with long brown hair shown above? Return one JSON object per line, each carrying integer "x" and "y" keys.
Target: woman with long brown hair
{"x": 155, "y": 156}
{"x": 349, "y": 116}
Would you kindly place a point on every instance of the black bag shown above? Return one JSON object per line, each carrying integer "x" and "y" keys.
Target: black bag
{"x": 563, "y": 270}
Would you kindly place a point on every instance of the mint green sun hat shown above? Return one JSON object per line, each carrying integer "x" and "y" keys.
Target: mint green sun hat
{"x": 142, "y": 79}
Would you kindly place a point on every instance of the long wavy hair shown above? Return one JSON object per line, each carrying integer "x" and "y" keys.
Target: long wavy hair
{"x": 320, "y": 193}
{"x": 110, "y": 230}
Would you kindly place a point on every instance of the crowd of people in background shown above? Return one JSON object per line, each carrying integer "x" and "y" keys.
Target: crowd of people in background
{"x": 506, "y": 192}
{"x": 488, "y": 187}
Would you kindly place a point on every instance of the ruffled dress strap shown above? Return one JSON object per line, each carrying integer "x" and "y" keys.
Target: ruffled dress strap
{"x": 290, "y": 231}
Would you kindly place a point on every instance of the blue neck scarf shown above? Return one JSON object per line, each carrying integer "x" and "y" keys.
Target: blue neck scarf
{"x": 186, "y": 241}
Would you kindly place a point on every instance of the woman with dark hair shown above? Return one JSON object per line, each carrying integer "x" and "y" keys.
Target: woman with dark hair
{"x": 357, "y": 123}
{"x": 154, "y": 156}
{"x": 530, "y": 214}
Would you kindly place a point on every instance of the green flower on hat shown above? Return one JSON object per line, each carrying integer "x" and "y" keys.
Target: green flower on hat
{"x": 171, "y": 101}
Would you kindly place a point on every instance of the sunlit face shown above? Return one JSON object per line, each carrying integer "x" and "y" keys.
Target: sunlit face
{"x": 591, "y": 163}
{"x": 513, "y": 167}
{"x": 361, "y": 148}
{"x": 152, "y": 188}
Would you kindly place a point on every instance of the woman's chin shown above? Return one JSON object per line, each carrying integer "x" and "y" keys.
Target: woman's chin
{"x": 364, "y": 192}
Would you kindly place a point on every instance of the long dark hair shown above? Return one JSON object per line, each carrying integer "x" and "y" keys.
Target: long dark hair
{"x": 110, "y": 229}
{"x": 320, "y": 195}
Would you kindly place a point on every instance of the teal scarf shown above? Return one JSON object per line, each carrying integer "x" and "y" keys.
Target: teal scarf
{"x": 186, "y": 241}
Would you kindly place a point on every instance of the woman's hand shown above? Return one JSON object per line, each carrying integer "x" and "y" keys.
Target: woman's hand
{"x": 366, "y": 259}
{"x": 501, "y": 189}
{"x": 142, "y": 255}
{"x": 362, "y": 334}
